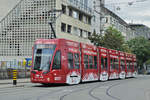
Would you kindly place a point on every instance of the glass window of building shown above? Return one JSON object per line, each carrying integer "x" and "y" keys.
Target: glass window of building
{"x": 75, "y": 14}
{"x": 69, "y": 28}
{"x": 81, "y": 32}
{"x": 75, "y": 30}
{"x": 89, "y": 20}
{"x": 70, "y": 12}
{"x": 63, "y": 9}
{"x": 63, "y": 27}
{"x": 80, "y": 16}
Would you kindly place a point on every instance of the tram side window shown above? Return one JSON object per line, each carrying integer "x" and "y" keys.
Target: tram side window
{"x": 76, "y": 60}
{"x": 112, "y": 64}
{"x": 106, "y": 63}
{"x": 122, "y": 65}
{"x": 95, "y": 62}
{"x": 57, "y": 61}
{"x": 70, "y": 60}
{"x": 91, "y": 62}
{"x": 116, "y": 64}
{"x": 102, "y": 63}
{"x": 86, "y": 61}
{"x": 127, "y": 65}
{"x": 131, "y": 65}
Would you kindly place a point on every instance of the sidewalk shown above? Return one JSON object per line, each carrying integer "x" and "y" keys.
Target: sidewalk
{"x": 10, "y": 81}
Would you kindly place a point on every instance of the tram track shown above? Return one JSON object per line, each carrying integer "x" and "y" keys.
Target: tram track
{"x": 65, "y": 91}
{"x": 75, "y": 91}
{"x": 108, "y": 93}
{"x": 92, "y": 89}
{"x": 117, "y": 84}
{"x": 89, "y": 92}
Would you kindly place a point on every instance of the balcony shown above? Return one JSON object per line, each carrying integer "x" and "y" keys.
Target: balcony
{"x": 80, "y": 6}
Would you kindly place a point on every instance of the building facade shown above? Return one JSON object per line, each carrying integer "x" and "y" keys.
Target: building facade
{"x": 141, "y": 30}
{"x": 29, "y": 20}
{"x": 111, "y": 19}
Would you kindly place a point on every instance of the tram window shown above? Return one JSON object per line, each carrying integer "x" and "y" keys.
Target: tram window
{"x": 37, "y": 62}
{"x": 122, "y": 63}
{"x": 76, "y": 60}
{"x": 102, "y": 63}
{"x": 106, "y": 63}
{"x": 116, "y": 64}
{"x": 57, "y": 61}
{"x": 131, "y": 65}
{"x": 91, "y": 62}
{"x": 112, "y": 64}
{"x": 70, "y": 60}
{"x": 127, "y": 65}
{"x": 86, "y": 61}
{"x": 95, "y": 62}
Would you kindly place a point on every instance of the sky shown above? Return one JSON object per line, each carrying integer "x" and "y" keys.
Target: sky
{"x": 138, "y": 12}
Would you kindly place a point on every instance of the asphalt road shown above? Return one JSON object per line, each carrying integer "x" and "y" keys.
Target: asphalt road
{"x": 128, "y": 89}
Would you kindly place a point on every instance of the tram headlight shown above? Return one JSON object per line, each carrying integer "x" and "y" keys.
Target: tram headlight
{"x": 48, "y": 79}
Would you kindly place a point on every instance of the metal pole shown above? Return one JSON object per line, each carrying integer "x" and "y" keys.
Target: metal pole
{"x": 14, "y": 77}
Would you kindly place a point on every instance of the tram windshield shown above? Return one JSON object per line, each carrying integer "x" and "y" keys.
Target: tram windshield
{"x": 43, "y": 54}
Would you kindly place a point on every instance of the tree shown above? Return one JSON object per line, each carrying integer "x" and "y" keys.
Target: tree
{"x": 141, "y": 47}
{"x": 113, "y": 39}
{"x": 96, "y": 39}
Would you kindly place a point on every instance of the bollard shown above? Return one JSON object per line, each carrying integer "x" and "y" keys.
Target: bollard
{"x": 14, "y": 77}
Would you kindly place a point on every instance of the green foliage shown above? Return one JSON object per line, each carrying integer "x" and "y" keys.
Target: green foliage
{"x": 96, "y": 39}
{"x": 141, "y": 47}
{"x": 112, "y": 39}
{"x": 147, "y": 62}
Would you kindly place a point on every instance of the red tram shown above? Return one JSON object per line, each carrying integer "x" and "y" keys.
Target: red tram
{"x": 66, "y": 61}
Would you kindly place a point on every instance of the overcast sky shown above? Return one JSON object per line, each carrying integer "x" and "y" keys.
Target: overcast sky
{"x": 138, "y": 12}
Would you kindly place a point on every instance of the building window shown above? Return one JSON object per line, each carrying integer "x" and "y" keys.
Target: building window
{"x": 81, "y": 32}
{"x": 89, "y": 34}
{"x": 84, "y": 34}
{"x": 63, "y": 9}
{"x": 63, "y": 27}
{"x": 80, "y": 16}
{"x": 89, "y": 20}
{"x": 69, "y": 28}
{"x": 70, "y": 12}
{"x": 75, "y": 30}
{"x": 75, "y": 14}
{"x": 94, "y": 18}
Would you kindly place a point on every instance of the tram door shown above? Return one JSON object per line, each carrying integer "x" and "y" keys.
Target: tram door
{"x": 122, "y": 72}
{"x": 113, "y": 64}
{"x": 89, "y": 63}
{"x": 103, "y": 59}
{"x": 73, "y": 63}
